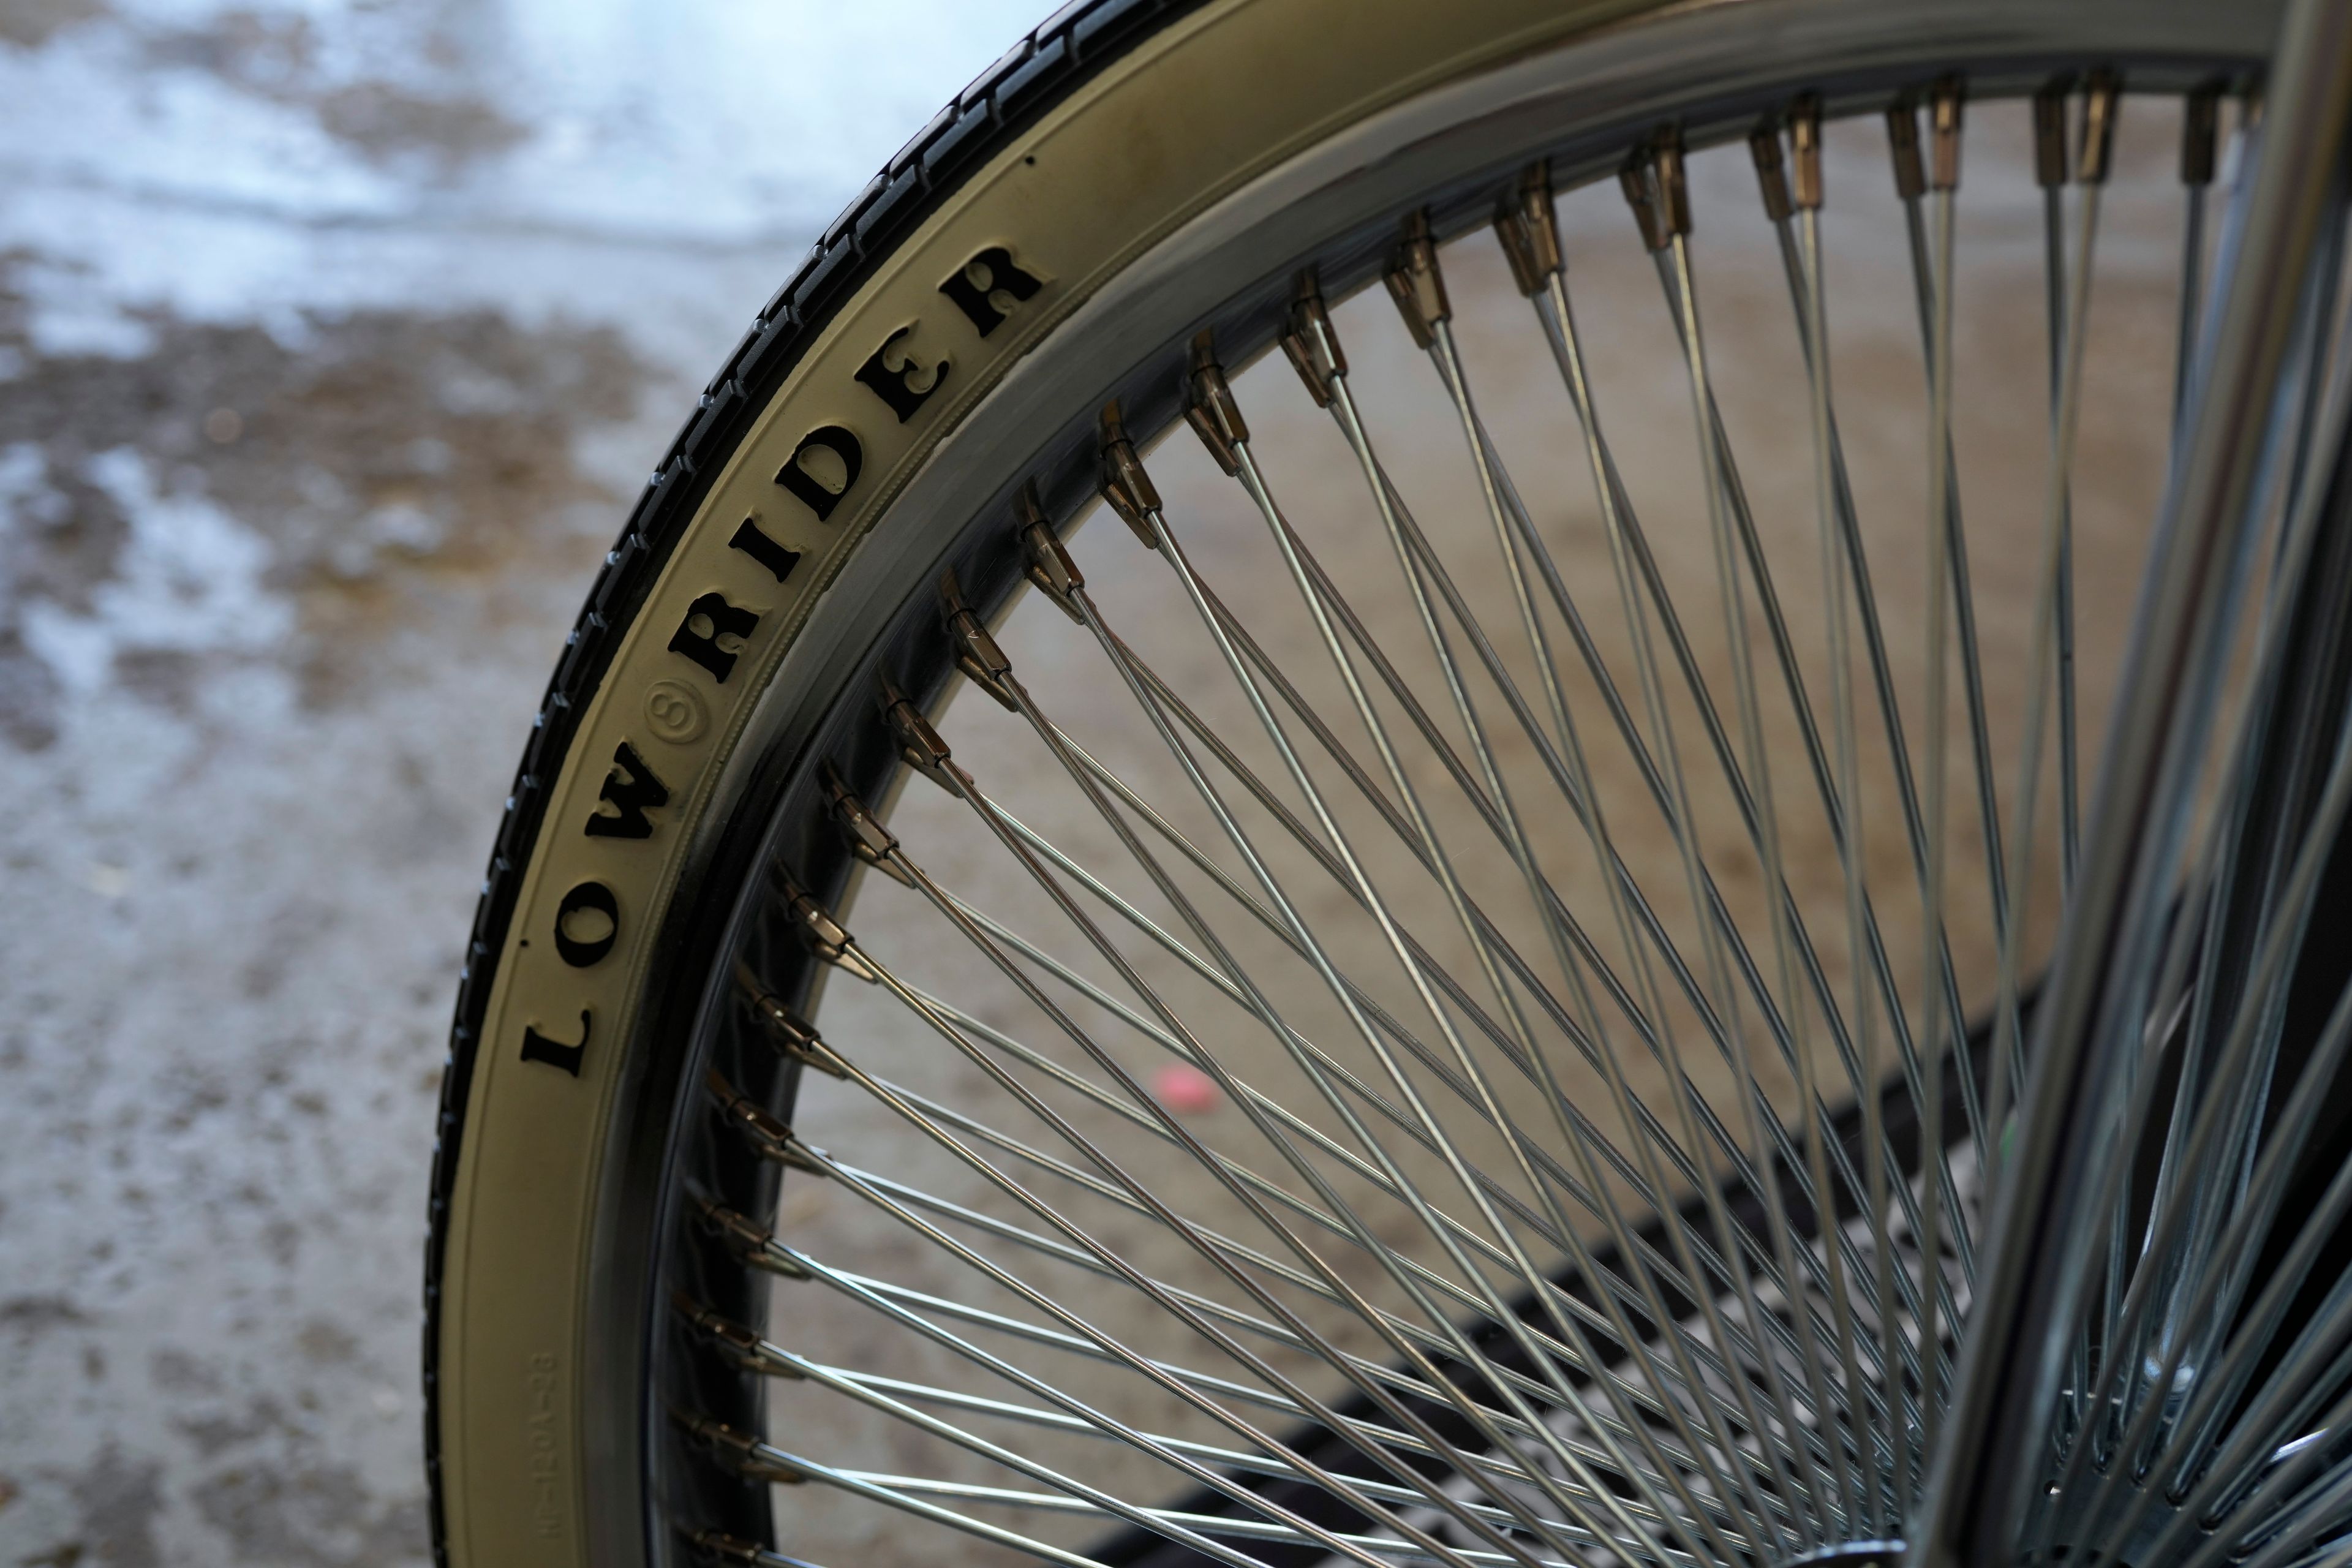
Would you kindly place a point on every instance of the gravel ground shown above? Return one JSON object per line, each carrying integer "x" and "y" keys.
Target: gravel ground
{"x": 332, "y": 340}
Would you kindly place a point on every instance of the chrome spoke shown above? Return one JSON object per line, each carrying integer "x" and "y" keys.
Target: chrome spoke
{"x": 1667, "y": 223}
{"x": 1165, "y": 542}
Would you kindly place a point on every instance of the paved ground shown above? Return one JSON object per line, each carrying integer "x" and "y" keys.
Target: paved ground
{"x": 330, "y": 341}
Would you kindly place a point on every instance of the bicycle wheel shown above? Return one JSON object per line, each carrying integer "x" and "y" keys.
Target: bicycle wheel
{"x": 1479, "y": 995}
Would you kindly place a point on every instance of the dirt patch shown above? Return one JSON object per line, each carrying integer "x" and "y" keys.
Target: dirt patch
{"x": 28, "y": 695}
{"x": 378, "y": 445}
{"x": 276, "y": 56}
{"x": 36, "y": 1314}
{"x": 119, "y": 1495}
{"x": 385, "y": 121}
{"x": 317, "y": 1516}
{"x": 29, "y": 24}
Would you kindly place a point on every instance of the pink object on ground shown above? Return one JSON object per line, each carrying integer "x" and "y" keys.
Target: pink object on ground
{"x": 1185, "y": 1089}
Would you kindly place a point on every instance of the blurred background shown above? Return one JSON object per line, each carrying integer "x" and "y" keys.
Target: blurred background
{"x": 333, "y": 339}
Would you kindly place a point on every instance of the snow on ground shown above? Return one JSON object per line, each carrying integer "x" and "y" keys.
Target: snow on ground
{"x": 332, "y": 339}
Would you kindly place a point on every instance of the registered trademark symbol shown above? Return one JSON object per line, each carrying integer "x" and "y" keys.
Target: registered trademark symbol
{"x": 673, "y": 711}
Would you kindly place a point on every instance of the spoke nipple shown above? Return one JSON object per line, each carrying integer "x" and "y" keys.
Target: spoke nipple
{"x": 1805, "y": 150}
{"x": 1211, "y": 410}
{"x": 740, "y": 1451}
{"x": 1903, "y": 145}
{"x": 868, "y": 840}
{"x": 719, "y": 1548}
{"x": 734, "y": 1340}
{"x": 1947, "y": 101}
{"x": 2101, "y": 98}
{"x": 744, "y": 1239}
{"x": 1312, "y": 347}
{"x": 977, "y": 654}
{"x": 1542, "y": 217}
{"x": 793, "y": 1036}
{"x": 1529, "y": 229}
{"x": 2200, "y": 122}
{"x": 1050, "y": 566}
{"x": 759, "y": 1126}
{"x": 2050, "y": 131}
{"x": 820, "y": 932}
{"x": 1124, "y": 484}
{"x": 1635, "y": 179}
{"x": 1771, "y": 173}
{"x": 918, "y": 744}
{"x": 772, "y": 1137}
{"x": 1673, "y": 184}
{"x": 1416, "y": 283}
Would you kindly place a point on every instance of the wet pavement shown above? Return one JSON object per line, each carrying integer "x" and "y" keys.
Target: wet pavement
{"x": 332, "y": 341}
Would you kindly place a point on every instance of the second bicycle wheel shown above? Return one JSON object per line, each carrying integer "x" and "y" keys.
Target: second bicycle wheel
{"x": 1462, "y": 990}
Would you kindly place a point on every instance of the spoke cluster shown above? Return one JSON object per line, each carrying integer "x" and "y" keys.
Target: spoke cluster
{"x": 1574, "y": 1202}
